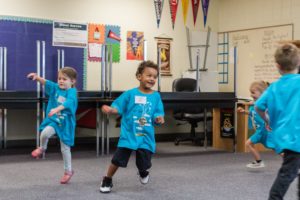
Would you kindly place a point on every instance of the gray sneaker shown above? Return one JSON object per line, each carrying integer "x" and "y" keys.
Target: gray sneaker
{"x": 255, "y": 165}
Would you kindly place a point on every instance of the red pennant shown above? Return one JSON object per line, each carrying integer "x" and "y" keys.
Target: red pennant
{"x": 173, "y": 8}
{"x": 195, "y": 6}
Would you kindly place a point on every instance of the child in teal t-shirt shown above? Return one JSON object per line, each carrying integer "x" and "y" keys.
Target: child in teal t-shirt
{"x": 60, "y": 116}
{"x": 282, "y": 100}
{"x": 141, "y": 108}
{"x": 261, "y": 135}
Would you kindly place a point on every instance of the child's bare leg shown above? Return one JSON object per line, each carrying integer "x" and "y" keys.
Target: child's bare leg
{"x": 251, "y": 148}
{"x": 111, "y": 170}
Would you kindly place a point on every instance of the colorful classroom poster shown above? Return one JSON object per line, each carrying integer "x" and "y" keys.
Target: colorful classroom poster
{"x": 135, "y": 45}
{"x": 158, "y": 5}
{"x": 227, "y": 123}
{"x": 96, "y": 38}
{"x": 195, "y": 6}
{"x": 113, "y": 37}
{"x": 173, "y": 9}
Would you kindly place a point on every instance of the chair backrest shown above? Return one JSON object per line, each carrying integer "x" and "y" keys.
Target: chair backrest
{"x": 184, "y": 85}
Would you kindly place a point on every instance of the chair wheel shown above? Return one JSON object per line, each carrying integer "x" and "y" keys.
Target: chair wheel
{"x": 176, "y": 142}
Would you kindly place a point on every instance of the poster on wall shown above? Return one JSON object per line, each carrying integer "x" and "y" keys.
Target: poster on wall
{"x": 135, "y": 45}
{"x": 227, "y": 122}
{"x": 164, "y": 50}
{"x": 113, "y": 38}
{"x": 96, "y": 37}
{"x": 69, "y": 34}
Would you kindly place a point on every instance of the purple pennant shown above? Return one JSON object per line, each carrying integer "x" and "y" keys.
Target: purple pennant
{"x": 205, "y": 4}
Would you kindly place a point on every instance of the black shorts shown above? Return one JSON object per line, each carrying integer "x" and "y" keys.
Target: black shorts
{"x": 143, "y": 158}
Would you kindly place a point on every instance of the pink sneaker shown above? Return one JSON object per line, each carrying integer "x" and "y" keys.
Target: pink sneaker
{"x": 37, "y": 153}
{"x": 67, "y": 176}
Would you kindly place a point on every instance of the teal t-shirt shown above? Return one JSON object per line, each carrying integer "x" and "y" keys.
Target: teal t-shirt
{"x": 64, "y": 122}
{"x": 138, "y": 111}
{"x": 261, "y": 134}
{"x": 282, "y": 100}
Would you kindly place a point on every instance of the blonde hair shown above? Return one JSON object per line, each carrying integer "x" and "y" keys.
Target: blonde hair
{"x": 69, "y": 72}
{"x": 261, "y": 86}
{"x": 287, "y": 56}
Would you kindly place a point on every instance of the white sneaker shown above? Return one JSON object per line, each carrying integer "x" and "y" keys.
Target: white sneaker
{"x": 144, "y": 180}
{"x": 256, "y": 164}
{"x": 106, "y": 185}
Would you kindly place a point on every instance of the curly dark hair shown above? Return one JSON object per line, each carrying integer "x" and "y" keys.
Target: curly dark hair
{"x": 145, "y": 64}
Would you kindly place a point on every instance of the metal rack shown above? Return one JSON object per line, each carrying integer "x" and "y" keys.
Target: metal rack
{"x": 198, "y": 46}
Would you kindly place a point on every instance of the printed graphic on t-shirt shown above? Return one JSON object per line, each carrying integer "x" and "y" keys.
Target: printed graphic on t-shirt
{"x": 142, "y": 117}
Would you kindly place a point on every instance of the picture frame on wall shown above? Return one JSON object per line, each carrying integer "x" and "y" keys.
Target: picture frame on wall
{"x": 164, "y": 49}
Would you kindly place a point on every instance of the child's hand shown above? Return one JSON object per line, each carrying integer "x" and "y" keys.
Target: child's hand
{"x": 53, "y": 112}
{"x": 159, "y": 120}
{"x": 106, "y": 109}
{"x": 32, "y": 76}
{"x": 240, "y": 110}
{"x": 267, "y": 126}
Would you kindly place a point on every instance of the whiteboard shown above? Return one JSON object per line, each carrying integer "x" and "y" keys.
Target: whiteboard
{"x": 255, "y": 55}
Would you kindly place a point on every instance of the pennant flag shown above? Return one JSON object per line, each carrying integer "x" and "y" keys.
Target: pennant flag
{"x": 185, "y": 8}
{"x": 195, "y": 6}
{"x": 158, "y": 4}
{"x": 205, "y": 9}
{"x": 173, "y": 9}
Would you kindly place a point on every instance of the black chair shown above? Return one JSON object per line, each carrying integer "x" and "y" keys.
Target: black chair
{"x": 192, "y": 116}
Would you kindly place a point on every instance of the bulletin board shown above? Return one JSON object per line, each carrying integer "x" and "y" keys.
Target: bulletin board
{"x": 19, "y": 35}
{"x": 255, "y": 50}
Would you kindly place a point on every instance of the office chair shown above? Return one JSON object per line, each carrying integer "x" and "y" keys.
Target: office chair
{"x": 190, "y": 115}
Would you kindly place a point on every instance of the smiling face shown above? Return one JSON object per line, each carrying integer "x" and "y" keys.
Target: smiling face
{"x": 64, "y": 82}
{"x": 147, "y": 79}
{"x": 255, "y": 93}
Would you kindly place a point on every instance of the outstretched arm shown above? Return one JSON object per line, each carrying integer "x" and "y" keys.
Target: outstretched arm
{"x": 34, "y": 76}
{"x": 242, "y": 110}
{"x": 109, "y": 110}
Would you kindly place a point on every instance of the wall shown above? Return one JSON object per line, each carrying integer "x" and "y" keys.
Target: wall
{"x": 139, "y": 15}
{"x": 130, "y": 15}
{"x": 244, "y": 14}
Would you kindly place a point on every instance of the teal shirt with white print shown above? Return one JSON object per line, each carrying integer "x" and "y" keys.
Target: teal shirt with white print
{"x": 64, "y": 122}
{"x": 138, "y": 111}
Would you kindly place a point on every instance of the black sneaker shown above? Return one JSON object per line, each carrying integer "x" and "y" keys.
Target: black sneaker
{"x": 106, "y": 185}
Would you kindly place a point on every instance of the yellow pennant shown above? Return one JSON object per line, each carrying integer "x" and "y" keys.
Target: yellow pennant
{"x": 185, "y": 8}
